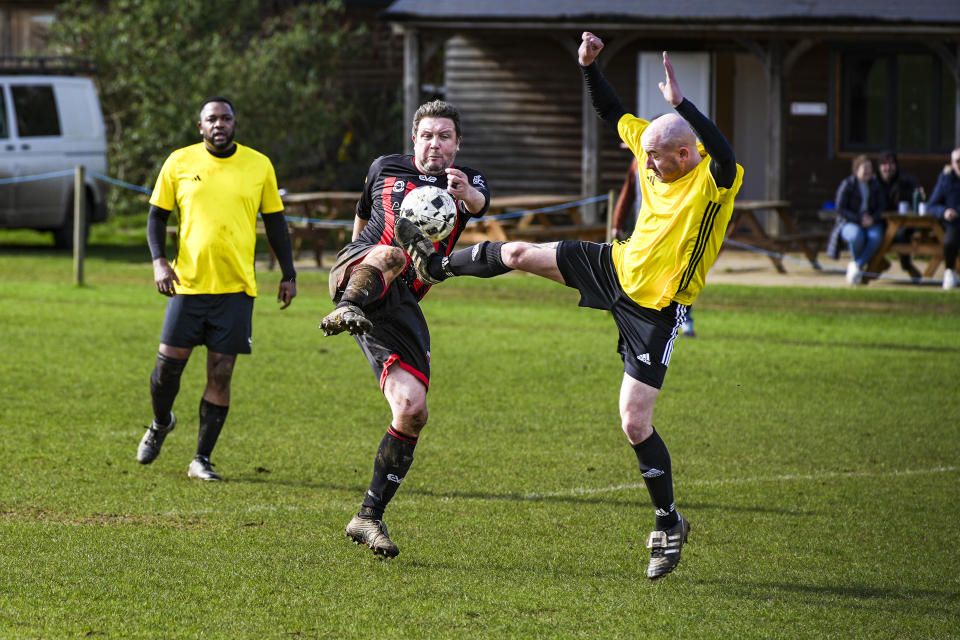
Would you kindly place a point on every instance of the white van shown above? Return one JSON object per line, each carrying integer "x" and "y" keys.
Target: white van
{"x": 49, "y": 124}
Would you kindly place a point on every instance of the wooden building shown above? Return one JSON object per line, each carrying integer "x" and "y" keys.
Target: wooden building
{"x": 799, "y": 88}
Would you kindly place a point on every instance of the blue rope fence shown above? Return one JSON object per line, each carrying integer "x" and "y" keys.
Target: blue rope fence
{"x": 502, "y": 216}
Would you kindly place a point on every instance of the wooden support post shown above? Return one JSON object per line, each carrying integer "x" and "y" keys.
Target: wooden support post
{"x": 79, "y": 225}
{"x": 411, "y": 83}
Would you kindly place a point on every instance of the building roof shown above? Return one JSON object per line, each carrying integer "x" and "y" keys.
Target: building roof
{"x": 627, "y": 13}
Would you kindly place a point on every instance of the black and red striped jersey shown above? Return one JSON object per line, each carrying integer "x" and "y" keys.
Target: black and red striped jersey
{"x": 389, "y": 179}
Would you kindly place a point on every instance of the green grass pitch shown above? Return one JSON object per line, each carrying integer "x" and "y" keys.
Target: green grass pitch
{"x": 814, "y": 436}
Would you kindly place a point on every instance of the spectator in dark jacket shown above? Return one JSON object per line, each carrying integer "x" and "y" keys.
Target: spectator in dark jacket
{"x": 898, "y": 187}
{"x": 945, "y": 204}
{"x": 860, "y": 202}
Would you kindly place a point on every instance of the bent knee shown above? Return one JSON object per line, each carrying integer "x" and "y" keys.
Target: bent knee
{"x": 636, "y": 429}
{"x": 389, "y": 259}
{"x": 516, "y": 254}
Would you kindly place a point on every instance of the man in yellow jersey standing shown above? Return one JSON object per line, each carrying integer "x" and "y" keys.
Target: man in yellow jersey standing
{"x": 647, "y": 282}
{"x": 218, "y": 186}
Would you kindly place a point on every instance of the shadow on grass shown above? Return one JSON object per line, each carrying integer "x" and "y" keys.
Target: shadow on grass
{"x": 110, "y": 252}
{"x": 928, "y": 601}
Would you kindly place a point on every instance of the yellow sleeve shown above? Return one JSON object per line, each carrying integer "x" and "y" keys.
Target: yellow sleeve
{"x": 165, "y": 191}
{"x": 630, "y": 128}
{"x": 270, "y": 201}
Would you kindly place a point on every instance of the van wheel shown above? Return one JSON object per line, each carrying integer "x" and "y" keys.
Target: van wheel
{"x": 63, "y": 236}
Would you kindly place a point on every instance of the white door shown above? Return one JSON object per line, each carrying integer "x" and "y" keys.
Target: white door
{"x": 750, "y": 125}
{"x": 694, "y": 71}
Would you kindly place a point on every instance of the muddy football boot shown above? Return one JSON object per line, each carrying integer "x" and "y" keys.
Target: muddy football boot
{"x": 346, "y": 318}
{"x": 417, "y": 246}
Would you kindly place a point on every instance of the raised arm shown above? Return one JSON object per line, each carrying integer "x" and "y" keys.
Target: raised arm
{"x": 605, "y": 100}
{"x": 723, "y": 163}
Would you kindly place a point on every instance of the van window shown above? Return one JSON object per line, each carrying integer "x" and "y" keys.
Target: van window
{"x": 4, "y": 130}
{"x": 36, "y": 110}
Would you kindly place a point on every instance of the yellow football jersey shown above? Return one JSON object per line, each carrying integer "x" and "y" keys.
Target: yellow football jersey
{"x": 218, "y": 200}
{"x": 679, "y": 229}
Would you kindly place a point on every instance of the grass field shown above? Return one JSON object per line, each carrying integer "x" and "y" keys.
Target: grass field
{"x": 814, "y": 435}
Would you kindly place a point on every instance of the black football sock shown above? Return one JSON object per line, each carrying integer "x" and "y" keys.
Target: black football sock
{"x": 164, "y": 386}
{"x": 365, "y": 285}
{"x": 481, "y": 261}
{"x": 212, "y": 417}
{"x": 394, "y": 457}
{"x": 655, "y": 467}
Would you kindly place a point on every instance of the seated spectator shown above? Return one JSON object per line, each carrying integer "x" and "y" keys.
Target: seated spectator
{"x": 860, "y": 202}
{"x": 945, "y": 204}
{"x": 898, "y": 187}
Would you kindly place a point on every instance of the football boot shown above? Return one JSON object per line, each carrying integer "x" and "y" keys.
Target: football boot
{"x": 417, "y": 246}
{"x": 346, "y": 318}
{"x": 202, "y": 469}
{"x": 372, "y": 533}
{"x": 665, "y": 548}
{"x": 153, "y": 439}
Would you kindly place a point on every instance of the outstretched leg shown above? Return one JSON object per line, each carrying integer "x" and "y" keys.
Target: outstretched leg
{"x": 484, "y": 260}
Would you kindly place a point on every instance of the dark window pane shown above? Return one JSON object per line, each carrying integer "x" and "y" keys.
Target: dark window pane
{"x": 4, "y": 129}
{"x": 36, "y": 110}
{"x": 948, "y": 113}
{"x": 915, "y": 82}
{"x": 866, "y": 113}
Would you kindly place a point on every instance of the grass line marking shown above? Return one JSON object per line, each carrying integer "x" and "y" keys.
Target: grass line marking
{"x": 579, "y": 491}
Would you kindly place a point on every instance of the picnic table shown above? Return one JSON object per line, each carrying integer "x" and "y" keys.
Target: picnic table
{"x": 926, "y": 240}
{"x": 745, "y": 213}
{"x": 531, "y": 222}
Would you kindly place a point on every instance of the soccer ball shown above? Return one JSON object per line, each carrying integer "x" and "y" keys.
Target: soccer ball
{"x": 432, "y": 209}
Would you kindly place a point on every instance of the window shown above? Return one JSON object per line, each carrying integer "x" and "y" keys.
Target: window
{"x": 36, "y": 110}
{"x": 902, "y": 100}
{"x": 4, "y": 129}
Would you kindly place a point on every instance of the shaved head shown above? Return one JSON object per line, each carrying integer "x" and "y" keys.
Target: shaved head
{"x": 670, "y": 132}
{"x": 671, "y": 147}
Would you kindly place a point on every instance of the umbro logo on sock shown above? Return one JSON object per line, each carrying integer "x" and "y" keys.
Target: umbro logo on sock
{"x": 644, "y": 358}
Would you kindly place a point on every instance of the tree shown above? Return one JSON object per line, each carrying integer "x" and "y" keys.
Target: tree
{"x": 157, "y": 60}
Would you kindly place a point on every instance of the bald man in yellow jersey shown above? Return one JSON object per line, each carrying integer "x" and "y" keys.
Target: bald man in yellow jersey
{"x": 218, "y": 186}
{"x": 647, "y": 282}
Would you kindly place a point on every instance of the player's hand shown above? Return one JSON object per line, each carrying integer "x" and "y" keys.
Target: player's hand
{"x": 164, "y": 277}
{"x": 671, "y": 88}
{"x": 288, "y": 291}
{"x": 866, "y": 221}
{"x": 950, "y": 214}
{"x": 458, "y": 184}
{"x": 590, "y": 47}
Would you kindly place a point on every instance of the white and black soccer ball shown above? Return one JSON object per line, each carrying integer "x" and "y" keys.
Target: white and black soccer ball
{"x": 432, "y": 209}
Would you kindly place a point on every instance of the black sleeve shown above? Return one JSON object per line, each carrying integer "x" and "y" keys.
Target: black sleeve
{"x": 479, "y": 182}
{"x": 157, "y": 232}
{"x": 278, "y": 236}
{"x": 364, "y": 208}
{"x": 605, "y": 100}
{"x": 723, "y": 164}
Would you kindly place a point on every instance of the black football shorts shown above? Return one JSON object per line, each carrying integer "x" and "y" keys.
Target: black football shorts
{"x": 223, "y": 322}
{"x": 646, "y": 335}
{"x": 400, "y": 336}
